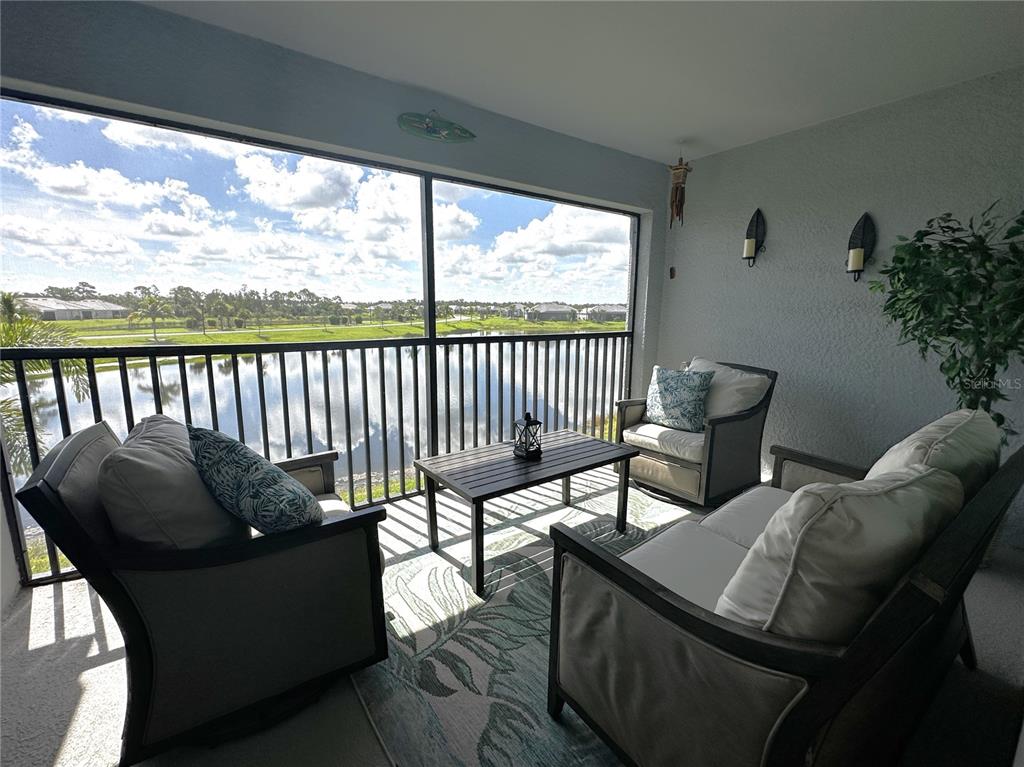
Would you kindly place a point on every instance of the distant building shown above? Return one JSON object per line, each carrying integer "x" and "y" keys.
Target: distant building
{"x": 605, "y": 313}
{"x": 551, "y": 313}
{"x": 515, "y": 312}
{"x": 86, "y": 309}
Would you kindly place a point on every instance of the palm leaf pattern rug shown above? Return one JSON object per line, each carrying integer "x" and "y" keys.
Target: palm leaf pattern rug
{"x": 466, "y": 680}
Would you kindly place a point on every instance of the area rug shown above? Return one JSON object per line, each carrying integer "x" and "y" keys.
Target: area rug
{"x": 466, "y": 680}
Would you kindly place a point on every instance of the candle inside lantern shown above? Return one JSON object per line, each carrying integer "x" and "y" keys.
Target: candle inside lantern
{"x": 855, "y": 262}
{"x": 748, "y": 248}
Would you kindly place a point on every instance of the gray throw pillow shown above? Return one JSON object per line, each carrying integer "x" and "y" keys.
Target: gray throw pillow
{"x": 675, "y": 398}
{"x": 250, "y": 486}
{"x": 153, "y": 494}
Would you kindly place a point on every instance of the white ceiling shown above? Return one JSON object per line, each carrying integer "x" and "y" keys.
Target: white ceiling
{"x": 641, "y": 76}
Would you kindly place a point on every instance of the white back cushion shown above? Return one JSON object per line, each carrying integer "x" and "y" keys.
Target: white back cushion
{"x": 828, "y": 558}
{"x": 965, "y": 443}
{"x": 154, "y": 496}
{"x": 731, "y": 390}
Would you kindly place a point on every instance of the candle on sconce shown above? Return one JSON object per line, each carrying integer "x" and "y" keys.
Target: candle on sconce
{"x": 749, "y": 247}
{"x": 855, "y": 261}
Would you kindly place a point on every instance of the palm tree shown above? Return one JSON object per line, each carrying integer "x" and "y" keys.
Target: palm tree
{"x": 9, "y": 308}
{"x": 151, "y": 308}
{"x": 31, "y": 332}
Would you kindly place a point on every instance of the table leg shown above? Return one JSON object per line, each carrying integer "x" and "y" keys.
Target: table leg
{"x": 620, "y": 517}
{"x": 432, "y": 512}
{"x": 567, "y": 491}
{"x": 477, "y": 568}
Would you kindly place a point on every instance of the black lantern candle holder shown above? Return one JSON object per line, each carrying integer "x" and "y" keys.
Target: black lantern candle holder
{"x": 861, "y": 246}
{"x": 754, "y": 242}
{"x": 526, "y": 437}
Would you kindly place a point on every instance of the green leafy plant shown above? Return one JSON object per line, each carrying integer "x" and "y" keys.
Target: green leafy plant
{"x": 958, "y": 291}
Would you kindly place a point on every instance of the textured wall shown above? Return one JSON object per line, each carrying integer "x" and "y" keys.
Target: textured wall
{"x": 846, "y": 389}
{"x": 148, "y": 61}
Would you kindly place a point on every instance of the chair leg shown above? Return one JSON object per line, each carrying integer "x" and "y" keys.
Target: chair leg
{"x": 967, "y": 653}
{"x": 555, "y": 703}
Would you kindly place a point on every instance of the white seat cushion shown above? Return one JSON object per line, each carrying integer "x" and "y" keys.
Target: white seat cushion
{"x": 829, "y": 557}
{"x": 731, "y": 390}
{"x": 687, "y": 445}
{"x": 965, "y": 443}
{"x": 693, "y": 562}
{"x": 332, "y": 505}
{"x": 744, "y": 518}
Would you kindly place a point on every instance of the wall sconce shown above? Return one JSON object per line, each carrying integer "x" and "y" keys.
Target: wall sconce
{"x": 754, "y": 243}
{"x": 862, "y": 245}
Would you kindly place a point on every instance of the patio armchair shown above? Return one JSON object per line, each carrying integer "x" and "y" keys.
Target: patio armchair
{"x": 640, "y": 650}
{"x": 706, "y": 467}
{"x": 222, "y": 640}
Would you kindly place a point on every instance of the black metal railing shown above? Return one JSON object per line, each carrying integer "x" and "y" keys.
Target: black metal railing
{"x": 381, "y": 403}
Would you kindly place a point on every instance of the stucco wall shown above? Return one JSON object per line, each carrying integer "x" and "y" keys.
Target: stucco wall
{"x": 846, "y": 388}
{"x": 129, "y": 56}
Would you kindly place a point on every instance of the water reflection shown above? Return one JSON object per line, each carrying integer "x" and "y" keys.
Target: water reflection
{"x": 565, "y": 384}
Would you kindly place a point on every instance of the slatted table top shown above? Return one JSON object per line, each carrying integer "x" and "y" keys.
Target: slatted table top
{"x": 482, "y": 473}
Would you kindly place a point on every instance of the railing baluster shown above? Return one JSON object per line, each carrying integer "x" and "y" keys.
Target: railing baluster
{"x": 501, "y": 392}
{"x": 154, "y": 375}
{"x": 576, "y": 390}
{"x": 536, "y": 352}
{"x": 586, "y": 382}
{"x": 568, "y": 368}
{"x": 239, "y": 419}
{"x": 348, "y": 428}
{"x": 213, "y": 393}
{"x": 462, "y": 399}
{"x": 400, "y": 388}
{"x": 366, "y": 425}
{"x": 418, "y": 355}
{"x": 305, "y": 403}
{"x": 126, "y": 393}
{"x": 94, "y": 390}
{"x": 547, "y": 370}
{"x": 26, "y": 412}
{"x": 476, "y": 399}
{"x": 447, "y": 399}
{"x": 511, "y": 385}
{"x": 186, "y": 403}
{"x": 487, "y": 392}
{"x": 526, "y": 392}
{"x": 281, "y": 363}
{"x": 384, "y": 420}
{"x": 603, "y": 428}
{"x": 558, "y": 362}
{"x": 610, "y": 408}
{"x": 261, "y": 388}
{"x": 328, "y": 417}
{"x": 62, "y": 398}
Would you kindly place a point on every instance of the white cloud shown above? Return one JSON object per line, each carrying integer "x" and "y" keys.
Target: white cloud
{"x": 314, "y": 184}
{"x": 64, "y": 245}
{"x": 135, "y": 136}
{"x": 453, "y": 223}
{"x": 63, "y": 115}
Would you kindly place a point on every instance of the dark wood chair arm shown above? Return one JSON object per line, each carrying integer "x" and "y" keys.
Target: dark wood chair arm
{"x": 260, "y": 546}
{"x": 795, "y": 656}
{"x": 622, "y": 408}
{"x": 308, "y": 461}
{"x": 784, "y": 454}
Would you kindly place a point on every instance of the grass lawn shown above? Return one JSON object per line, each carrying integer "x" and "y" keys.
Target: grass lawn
{"x": 284, "y": 334}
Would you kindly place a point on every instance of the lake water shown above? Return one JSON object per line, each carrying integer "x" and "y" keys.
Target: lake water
{"x": 363, "y": 418}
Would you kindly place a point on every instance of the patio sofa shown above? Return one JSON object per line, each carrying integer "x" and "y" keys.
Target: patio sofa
{"x": 713, "y": 465}
{"x": 690, "y": 649}
{"x": 219, "y": 640}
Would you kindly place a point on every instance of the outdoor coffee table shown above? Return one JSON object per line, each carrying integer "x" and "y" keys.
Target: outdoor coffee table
{"x": 482, "y": 473}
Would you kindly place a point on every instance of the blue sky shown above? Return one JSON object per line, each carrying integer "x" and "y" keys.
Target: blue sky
{"x": 119, "y": 204}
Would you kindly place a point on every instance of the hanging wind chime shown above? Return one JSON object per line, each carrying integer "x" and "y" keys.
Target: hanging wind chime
{"x": 678, "y": 195}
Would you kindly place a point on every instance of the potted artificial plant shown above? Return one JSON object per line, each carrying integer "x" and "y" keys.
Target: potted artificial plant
{"x": 958, "y": 291}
